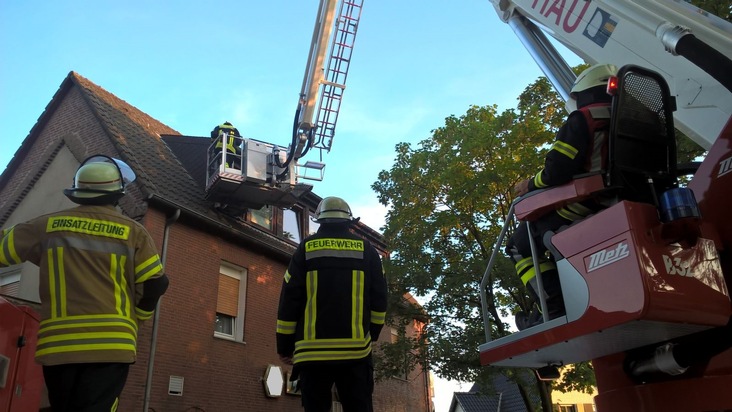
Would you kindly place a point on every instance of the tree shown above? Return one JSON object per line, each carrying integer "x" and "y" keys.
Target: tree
{"x": 448, "y": 199}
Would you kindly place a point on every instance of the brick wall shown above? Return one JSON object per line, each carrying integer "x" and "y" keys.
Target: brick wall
{"x": 221, "y": 375}
{"x": 403, "y": 395}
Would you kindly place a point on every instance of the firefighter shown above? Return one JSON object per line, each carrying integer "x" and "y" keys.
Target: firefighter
{"x": 100, "y": 275}
{"x": 332, "y": 307}
{"x": 233, "y": 145}
{"x": 580, "y": 146}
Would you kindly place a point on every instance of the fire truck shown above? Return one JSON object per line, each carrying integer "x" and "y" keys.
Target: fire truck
{"x": 646, "y": 280}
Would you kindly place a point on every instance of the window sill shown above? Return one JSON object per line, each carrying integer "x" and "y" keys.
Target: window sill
{"x": 228, "y": 337}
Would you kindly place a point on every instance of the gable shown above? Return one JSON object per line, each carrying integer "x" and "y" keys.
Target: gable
{"x": 46, "y": 194}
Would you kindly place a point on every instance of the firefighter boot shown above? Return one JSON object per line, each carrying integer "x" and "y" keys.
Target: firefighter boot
{"x": 553, "y": 290}
{"x": 526, "y": 320}
{"x": 553, "y": 296}
{"x": 534, "y": 317}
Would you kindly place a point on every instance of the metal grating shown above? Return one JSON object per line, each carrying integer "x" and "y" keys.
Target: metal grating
{"x": 175, "y": 386}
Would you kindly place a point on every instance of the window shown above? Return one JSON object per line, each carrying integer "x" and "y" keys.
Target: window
{"x": 20, "y": 281}
{"x": 230, "y": 302}
{"x": 10, "y": 283}
{"x": 394, "y": 335}
{"x": 291, "y": 225}
{"x": 312, "y": 225}
{"x": 262, "y": 217}
{"x": 567, "y": 408}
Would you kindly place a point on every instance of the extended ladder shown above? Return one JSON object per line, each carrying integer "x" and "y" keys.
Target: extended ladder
{"x": 339, "y": 60}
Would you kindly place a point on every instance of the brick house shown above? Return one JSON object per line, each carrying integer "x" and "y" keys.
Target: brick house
{"x": 213, "y": 337}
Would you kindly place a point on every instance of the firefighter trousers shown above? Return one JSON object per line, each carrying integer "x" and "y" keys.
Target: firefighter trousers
{"x": 354, "y": 382}
{"x": 85, "y": 387}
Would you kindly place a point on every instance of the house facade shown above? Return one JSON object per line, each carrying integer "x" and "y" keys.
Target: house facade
{"x": 211, "y": 342}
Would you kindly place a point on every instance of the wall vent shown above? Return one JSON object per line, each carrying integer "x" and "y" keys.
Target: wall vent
{"x": 175, "y": 386}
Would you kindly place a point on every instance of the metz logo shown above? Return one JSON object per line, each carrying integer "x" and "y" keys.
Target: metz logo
{"x": 725, "y": 166}
{"x": 608, "y": 256}
{"x": 675, "y": 266}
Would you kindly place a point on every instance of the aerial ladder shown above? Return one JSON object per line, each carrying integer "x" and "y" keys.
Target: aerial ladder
{"x": 269, "y": 174}
{"x": 646, "y": 281}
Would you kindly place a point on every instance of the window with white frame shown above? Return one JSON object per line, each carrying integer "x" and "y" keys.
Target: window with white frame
{"x": 20, "y": 281}
{"x": 312, "y": 225}
{"x": 231, "y": 302}
{"x": 291, "y": 225}
{"x": 10, "y": 283}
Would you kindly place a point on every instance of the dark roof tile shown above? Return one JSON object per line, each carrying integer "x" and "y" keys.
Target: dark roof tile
{"x": 159, "y": 170}
{"x": 471, "y": 402}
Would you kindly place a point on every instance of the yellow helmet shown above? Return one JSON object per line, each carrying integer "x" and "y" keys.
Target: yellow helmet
{"x": 100, "y": 180}
{"x": 593, "y": 76}
{"x": 333, "y": 210}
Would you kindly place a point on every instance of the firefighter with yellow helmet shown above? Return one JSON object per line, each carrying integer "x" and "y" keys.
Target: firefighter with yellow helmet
{"x": 100, "y": 275}
{"x": 580, "y": 146}
{"x": 332, "y": 307}
{"x": 226, "y": 135}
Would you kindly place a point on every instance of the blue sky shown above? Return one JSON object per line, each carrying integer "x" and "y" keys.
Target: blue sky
{"x": 194, "y": 64}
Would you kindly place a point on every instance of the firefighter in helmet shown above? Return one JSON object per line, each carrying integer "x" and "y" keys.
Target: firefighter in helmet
{"x": 100, "y": 275}
{"x": 332, "y": 307}
{"x": 580, "y": 146}
{"x": 227, "y": 135}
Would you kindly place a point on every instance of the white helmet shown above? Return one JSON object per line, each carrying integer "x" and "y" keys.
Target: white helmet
{"x": 593, "y": 76}
{"x": 333, "y": 210}
{"x": 100, "y": 180}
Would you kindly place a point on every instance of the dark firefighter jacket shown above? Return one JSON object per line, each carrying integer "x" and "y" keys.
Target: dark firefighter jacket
{"x": 93, "y": 262}
{"x": 580, "y": 146}
{"x": 333, "y": 298}
{"x": 231, "y": 132}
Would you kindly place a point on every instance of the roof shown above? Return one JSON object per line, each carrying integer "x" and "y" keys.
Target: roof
{"x": 473, "y": 402}
{"x": 191, "y": 152}
{"x": 504, "y": 393}
{"x": 170, "y": 167}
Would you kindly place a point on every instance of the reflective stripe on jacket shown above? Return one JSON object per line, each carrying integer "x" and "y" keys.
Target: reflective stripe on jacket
{"x": 581, "y": 146}
{"x": 92, "y": 262}
{"x": 333, "y": 298}
{"x": 230, "y": 132}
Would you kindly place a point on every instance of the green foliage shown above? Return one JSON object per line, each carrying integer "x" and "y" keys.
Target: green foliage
{"x": 575, "y": 378}
{"x": 720, "y": 8}
{"x": 448, "y": 198}
{"x": 686, "y": 149}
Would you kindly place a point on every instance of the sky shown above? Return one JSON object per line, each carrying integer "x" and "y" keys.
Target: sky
{"x": 194, "y": 64}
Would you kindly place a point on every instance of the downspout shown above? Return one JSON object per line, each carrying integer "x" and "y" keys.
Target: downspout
{"x": 156, "y": 317}
{"x": 428, "y": 393}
